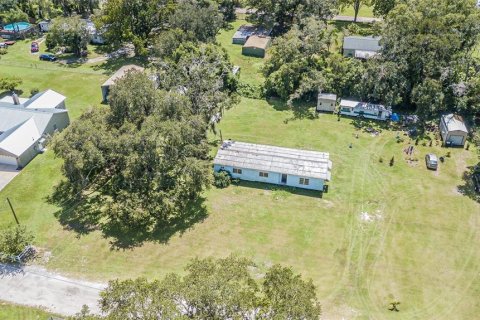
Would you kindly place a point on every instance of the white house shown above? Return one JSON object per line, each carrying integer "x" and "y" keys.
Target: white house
{"x": 361, "y": 47}
{"x": 44, "y": 25}
{"x": 453, "y": 130}
{"x": 366, "y": 110}
{"x": 276, "y": 165}
{"x": 326, "y": 102}
{"x": 26, "y": 123}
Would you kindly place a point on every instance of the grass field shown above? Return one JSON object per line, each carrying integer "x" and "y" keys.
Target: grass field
{"x": 365, "y": 11}
{"x": 250, "y": 71}
{"x": 15, "y": 312}
{"x": 380, "y": 234}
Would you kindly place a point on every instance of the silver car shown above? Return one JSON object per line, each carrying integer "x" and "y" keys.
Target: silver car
{"x": 432, "y": 161}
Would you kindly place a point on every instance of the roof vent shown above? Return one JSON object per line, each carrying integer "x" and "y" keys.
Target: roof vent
{"x": 16, "y": 100}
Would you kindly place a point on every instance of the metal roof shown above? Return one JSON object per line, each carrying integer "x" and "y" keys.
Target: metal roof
{"x": 362, "y": 43}
{"x": 304, "y": 163}
{"x": 22, "y": 125}
{"x": 362, "y": 105}
{"x": 45, "y": 100}
{"x": 454, "y": 122}
{"x": 246, "y": 31}
{"x": 257, "y": 42}
{"x": 327, "y": 96}
{"x": 121, "y": 72}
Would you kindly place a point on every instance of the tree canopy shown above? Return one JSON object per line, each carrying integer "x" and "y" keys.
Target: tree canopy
{"x": 71, "y": 32}
{"x": 214, "y": 289}
{"x": 284, "y": 13}
{"x": 427, "y": 58}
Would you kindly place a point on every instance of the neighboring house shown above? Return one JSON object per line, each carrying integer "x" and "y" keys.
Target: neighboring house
{"x": 275, "y": 165}
{"x": 242, "y": 34}
{"x": 245, "y": 31}
{"x": 95, "y": 35}
{"x": 256, "y": 46}
{"x": 26, "y": 123}
{"x": 453, "y": 130}
{"x": 326, "y": 102}
{"x": 117, "y": 75}
{"x": 363, "y": 109}
{"x": 44, "y": 26}
{"x": 361, "y": 47}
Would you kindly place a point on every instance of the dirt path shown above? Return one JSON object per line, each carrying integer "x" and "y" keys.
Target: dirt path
{"x": 36, "y": 287}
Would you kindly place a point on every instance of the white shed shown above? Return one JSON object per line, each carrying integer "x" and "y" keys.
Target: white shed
{"x": 453, "y": 130}
{"x": 326, "y": 102}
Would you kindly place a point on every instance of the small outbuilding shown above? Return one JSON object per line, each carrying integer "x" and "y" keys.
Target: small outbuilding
{"x": 117, "y": 75}
{"x": 361, "y": 47}
{"x": 256, "y": 46}
{"x": 275, "y": 165}
{"x": 366, "y": 110}
{"x": 453, "y": 130}
{"x": 326, "y": 102}
{"x": 44, "y": 26}
{"x": 243, "y": 33}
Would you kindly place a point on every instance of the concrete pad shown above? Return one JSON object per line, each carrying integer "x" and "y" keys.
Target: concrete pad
{"x": 37, "y": 287}
{"x": 7, "y": 173}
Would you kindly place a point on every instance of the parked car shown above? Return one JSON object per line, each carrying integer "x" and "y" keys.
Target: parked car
{"x": 3, "y": 45}
{"x": 432, "y": 161}
{"x": 34, "y": 47}
{"x": 47, "y": 57}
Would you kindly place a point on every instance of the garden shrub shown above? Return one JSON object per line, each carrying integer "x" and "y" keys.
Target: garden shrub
{"x": 222, "y": 179}
{"x": 13, "y": 240}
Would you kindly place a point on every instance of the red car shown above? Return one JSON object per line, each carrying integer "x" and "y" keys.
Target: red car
{"x": 34, "y": 47}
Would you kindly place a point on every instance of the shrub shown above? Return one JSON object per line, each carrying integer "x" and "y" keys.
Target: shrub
{"x": 222, "y": 179}
{"x": 380, "y": 160}
{"x": 250, "y": 91}
{"x": 467, "y": 147}
{"x": 34, "y": 91}
{"x": 3, "y": 51}
{"x": 448, "y": 154}
{"x": 14, "y": 240}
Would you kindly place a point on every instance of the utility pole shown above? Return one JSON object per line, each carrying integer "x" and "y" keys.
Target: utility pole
{"x": 13, "y": 211}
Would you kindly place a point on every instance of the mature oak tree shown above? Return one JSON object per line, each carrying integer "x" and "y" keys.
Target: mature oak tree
{"x": 214, "y": 290}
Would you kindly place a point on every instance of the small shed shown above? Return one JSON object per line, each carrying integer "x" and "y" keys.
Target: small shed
{"x": 326, "y": 102}
{"x": 243, "y": 33}
{"x": 256, "y": 46}
{"x": 117, "y": 75}
{"x": 453, "y": 130}
{"x": 361, "y": 47}
{"x": 44, "y": 26}
{"x": 276, "y": 165}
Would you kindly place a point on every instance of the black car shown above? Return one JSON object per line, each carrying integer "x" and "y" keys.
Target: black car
{"x": 47, "y": 57}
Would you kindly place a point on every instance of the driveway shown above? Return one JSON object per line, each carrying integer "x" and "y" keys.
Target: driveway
{"x": 7, "y": 173}
{"x": 36, "y": 287}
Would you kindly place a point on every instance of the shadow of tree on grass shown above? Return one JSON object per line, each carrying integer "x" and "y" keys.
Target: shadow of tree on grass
{"x": 84, "y": 214}
{"x": 301, "y": 109}
{"x": 468, "y": 188}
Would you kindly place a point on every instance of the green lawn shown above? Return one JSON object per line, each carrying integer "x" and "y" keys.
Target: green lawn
{"x": 16, "y": 312}
{"x": 381, "y": 233}
{"x": 250, "y": 71}
{"x": 365, "y": 11}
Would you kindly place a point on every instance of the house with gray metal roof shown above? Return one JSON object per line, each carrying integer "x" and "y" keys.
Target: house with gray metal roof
{"x": 453, "y": 130}
{"x": 361, "y": 47}
{"x": 276, "y": 165}
{"x": 25, "y": 124}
